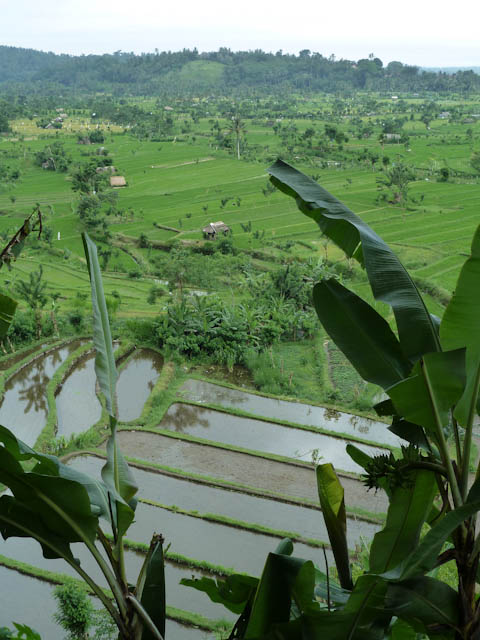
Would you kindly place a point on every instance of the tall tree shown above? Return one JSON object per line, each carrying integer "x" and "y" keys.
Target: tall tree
{"x": 33, "y": 293}
{"x": 237, "y": 128}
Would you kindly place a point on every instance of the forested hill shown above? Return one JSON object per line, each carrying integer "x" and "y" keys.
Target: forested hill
{"x": 23, "y": 70}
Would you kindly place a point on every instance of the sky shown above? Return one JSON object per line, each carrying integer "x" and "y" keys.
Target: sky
{"x": 425, "y": 33}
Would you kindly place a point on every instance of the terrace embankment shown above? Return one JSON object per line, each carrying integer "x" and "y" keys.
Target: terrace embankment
{"x": 270, "y": 476}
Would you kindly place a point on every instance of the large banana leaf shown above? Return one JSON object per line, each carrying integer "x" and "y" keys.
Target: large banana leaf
{"x": 367, "y": 603}
{"x": 116, "y": 473}
{"x": 425, "y": 603}
{"x": 435, "y": 386}
{"x": 284, "y": 579}
{"x": 153, "y": 594}
{"x": 401, "y": 630}
{"x": 423, "y": 558}
{"x": 51, "y": 509}
{"x": 361, "y": 333}
{"x": 409, "y": 508}
{"x": 7, "y": 311}
{"x": 332, "y": 503}
{"x": 460, "y": 327}
{"x": 328, "y": 589}
{"x": 363, "y": 618}
{"x": 102, "y": 337}
{"x": 118, "y": 477}
{"x": 233, "y": 591}
{"x": 389, "y": 280}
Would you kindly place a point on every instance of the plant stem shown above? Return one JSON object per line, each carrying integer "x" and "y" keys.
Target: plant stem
{"x": 467, "y": 444}
{"x": 91, "y": 583}
{"x": 458, "y": 446}
{"x": 110, "y": 577}
{"x": 442, "y": 444}
{"x": 116, "y": 478}
{"x": 147, "y": 621}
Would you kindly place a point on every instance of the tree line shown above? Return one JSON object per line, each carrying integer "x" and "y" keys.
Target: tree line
{"x": 158, "y": 73}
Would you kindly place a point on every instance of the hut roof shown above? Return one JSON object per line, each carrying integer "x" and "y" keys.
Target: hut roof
{"x": 118, "y": 181}
{"x": 215, "y": 227}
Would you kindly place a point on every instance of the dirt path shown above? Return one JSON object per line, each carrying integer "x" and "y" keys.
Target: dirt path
{"x": 230, "y": 466}
{"x": 181, "y": 164}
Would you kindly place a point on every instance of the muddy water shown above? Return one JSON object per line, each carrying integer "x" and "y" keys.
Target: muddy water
{"x": 15, "y": 358}
{"x": 204, "y": 498}
{"x": 177, "y": 595}
{"x": 270, "y": 476}
{"x": 136, "y": 381}
{"x": 192, "y": 537}
{"x": 78, "y": 406}
{"x": 16, "y": 589}
{"x": 23, "y": 408}
{"x": 27, "y": 601}
{"x": 305, "y": 414}
{"x": 176, "y": 631}
{"x": 258, "y": 435}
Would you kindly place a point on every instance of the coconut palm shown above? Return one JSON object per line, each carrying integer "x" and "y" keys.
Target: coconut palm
{"x": 237, "y": 128}
{"x": 33, "y": 293}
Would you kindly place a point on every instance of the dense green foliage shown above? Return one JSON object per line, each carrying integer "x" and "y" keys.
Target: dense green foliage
{"x": 222, "y": 70}
{"x": 209, "y": 328}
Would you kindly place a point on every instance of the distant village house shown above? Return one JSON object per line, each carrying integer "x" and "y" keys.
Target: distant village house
{"x": 110, "y": 169}
{"x": 211, "y": 230}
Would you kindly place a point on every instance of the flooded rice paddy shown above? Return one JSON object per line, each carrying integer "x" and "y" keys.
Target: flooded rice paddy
{"x": 21, "y": 596}
{"x": 177, "y": 595}
{"x": 15, "y": 358}
{"x": 78, "y": 406}
{"x": 16, "y": 589}
{"x": 297, "y": 412}
{"x": 24, "y": 408}
{"x": 204, "y": 498}
{"x": 136, "y": 381}
{"x": 259, "y": 435}
{"x": 223, "y": 465}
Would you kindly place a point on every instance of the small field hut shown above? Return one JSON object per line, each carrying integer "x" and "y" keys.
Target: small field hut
{"x": 211, "y": 230}
{"x": 118, "y": 181}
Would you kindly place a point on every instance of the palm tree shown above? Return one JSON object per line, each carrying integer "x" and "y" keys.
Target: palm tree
{"x": 33, "y": 293}
{"x": 237, "y": 128}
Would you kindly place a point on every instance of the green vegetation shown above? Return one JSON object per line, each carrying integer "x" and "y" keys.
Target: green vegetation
{"x": 150, "y": 238}
{"x": 238, "y": 306}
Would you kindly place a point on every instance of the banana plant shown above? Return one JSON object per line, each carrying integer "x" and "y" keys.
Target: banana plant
{"x": 430, "y": 371}
{"x": 58, "y": 506}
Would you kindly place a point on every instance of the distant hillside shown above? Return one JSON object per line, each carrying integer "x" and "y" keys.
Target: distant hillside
{"x": 26, "y": 70}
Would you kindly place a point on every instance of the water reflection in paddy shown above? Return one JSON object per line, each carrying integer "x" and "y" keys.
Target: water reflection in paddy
{"x": 136, "y": 381}
{"x": 23, "y": 408}
{"x": 305, "y": 414}
{"x": 78, "y": 406}
{"x": 15, "y": 358}
{"x": 258, "y": 435}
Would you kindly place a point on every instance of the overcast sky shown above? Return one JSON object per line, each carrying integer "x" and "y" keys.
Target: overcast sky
{"x": 427, "y": 33}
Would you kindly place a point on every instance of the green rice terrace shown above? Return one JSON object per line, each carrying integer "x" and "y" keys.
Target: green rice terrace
{"x": 229, "y": 390}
